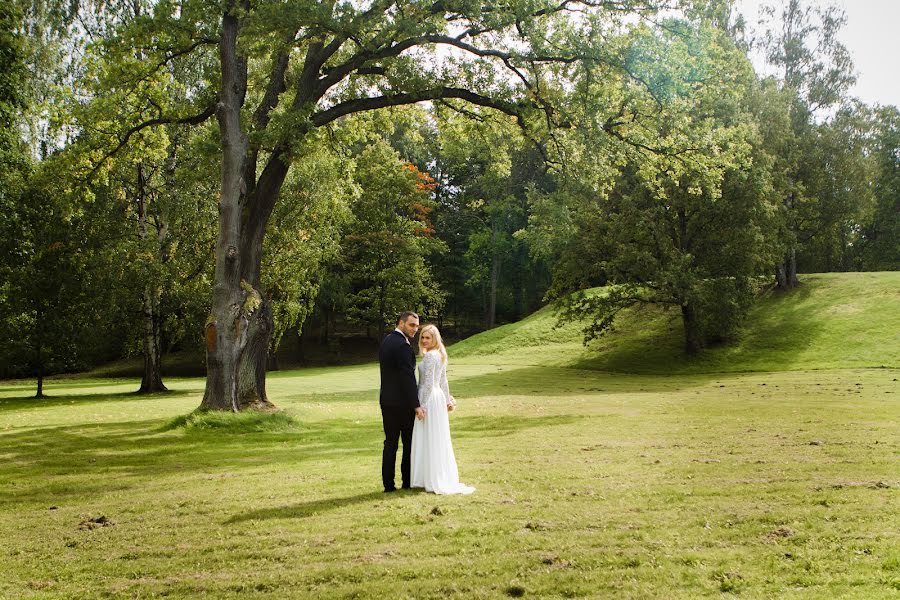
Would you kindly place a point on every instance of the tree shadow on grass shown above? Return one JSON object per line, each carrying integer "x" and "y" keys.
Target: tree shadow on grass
{"x": 477, "y": 427}
{"x": 781, "y": 326}
{"x": 19, "y": 403}
{"x": 551, "y": 382}
{"x": 52, "y": 463}
{"x": 304, "y": 509}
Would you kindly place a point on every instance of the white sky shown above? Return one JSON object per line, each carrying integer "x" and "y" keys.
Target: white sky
{"x": 872, "y": 35}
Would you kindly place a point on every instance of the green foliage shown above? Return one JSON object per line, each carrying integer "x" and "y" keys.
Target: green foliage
{"x": 837, "y": 174}
{"x": 824, "y": 185}
{"x": 14, "y": 161}
{"x": 878, "y": 242}
{"x": 13, "y": 70}
{"x": 304, "y": 235}
{"x": 488, "y": 175}
{"x": 686, "y": 222}
{"x": 57, "y": 291}
{"x": 382, "y": 268}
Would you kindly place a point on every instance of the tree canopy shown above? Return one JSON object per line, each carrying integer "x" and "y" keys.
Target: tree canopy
{"x": 239, "y": 173}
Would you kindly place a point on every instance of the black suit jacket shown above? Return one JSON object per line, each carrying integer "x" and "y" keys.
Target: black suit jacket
{"x": 398, "y": 372}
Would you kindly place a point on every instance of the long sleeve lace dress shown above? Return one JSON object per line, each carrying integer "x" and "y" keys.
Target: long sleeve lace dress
{"x": 433, "y": 461}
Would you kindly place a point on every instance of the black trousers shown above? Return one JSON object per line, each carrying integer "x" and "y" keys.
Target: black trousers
{"x": 398, "y": 424}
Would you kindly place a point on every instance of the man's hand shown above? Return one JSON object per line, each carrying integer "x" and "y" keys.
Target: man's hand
{"x": 420, "y": 413}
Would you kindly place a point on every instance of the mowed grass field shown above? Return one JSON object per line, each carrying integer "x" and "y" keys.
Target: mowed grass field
{"x": 736, "y": 482}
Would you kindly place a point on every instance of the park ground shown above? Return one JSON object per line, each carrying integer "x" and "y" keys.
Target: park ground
{"x": 768, "y": 469}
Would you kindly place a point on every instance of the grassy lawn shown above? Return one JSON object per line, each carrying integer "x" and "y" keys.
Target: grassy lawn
{"x": 593, "y": 484}
{"x": 832, "y": 321}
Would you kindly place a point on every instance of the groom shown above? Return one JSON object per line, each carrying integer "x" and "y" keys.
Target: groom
{"x": 399, "y": 397}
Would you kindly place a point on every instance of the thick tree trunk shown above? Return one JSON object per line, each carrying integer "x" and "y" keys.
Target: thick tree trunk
{"x": 226, "y": 327}
{"x": 781, "y": 276}
{"x": 693, "y": 342}
{"x": 261, "y": 324}
{"x": 260, "y": 201}
{"x": 255, "y": 358}
{"x": 152, "y": 380}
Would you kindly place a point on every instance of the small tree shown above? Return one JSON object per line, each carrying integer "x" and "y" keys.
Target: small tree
{"x": 58, "y": 292}
{"x": 384, "y": 249}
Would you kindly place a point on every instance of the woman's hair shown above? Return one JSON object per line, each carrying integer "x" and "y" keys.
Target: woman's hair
{"x": 439, "y": 343}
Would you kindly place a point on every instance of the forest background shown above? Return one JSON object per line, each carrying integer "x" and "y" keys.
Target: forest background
{"x": 469, "y": 162}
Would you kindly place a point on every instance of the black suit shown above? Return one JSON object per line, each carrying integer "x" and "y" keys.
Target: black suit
{"x": 399, "y": 399}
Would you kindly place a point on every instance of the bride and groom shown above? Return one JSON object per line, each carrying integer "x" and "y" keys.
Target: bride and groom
{"x": 417, "y": 413}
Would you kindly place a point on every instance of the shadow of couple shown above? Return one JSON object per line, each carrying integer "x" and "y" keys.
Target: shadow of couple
{"x": 314, "y": 507}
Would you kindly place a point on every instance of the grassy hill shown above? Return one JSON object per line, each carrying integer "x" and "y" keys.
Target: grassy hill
{"x": 834, "y": 320}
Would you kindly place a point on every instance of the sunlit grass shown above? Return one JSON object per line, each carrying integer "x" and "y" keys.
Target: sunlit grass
{"x": 589, "y": 484}
{"x": 834, "y": 320}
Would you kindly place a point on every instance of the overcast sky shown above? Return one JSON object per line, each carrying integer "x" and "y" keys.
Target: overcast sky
{"x": 872, "y": 35}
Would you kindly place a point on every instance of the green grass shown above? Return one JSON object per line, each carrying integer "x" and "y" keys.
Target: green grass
{"x": 834, "y": 320}
{"x": 591, "y": 484}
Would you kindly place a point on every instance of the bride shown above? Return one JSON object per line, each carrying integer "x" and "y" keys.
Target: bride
{"x": 433, "y": 461}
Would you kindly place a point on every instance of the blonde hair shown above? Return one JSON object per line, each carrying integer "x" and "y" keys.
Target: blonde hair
{"x": 439, "y": 343}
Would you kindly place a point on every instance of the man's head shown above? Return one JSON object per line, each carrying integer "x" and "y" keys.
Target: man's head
{"x": 408, "y": 323}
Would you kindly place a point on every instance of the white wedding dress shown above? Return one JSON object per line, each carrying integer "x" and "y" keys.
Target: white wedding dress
{"x": 433, "y": 461}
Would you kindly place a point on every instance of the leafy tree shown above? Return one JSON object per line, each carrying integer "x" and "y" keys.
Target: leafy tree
{"x": 817, "y": 71}
{"x": 838, "y": 175}
{"x": 161, "y": 178}
{"x": 304, "y": 238}
{"x": 684, "y": 223}
{"x": 877, "y": 246}
{"x": 14, "y": 165}
{"x": 487, "y": 173}
{"x": 58, "y": 295}
{"x": 386, "y": 246}
{"x": 50, "y": 275}
{"x": 302, "y": 67}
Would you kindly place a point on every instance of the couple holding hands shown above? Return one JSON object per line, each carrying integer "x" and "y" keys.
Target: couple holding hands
{"x": 417, "y": 413}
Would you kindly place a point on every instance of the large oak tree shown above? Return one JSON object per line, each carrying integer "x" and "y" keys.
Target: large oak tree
{"x": 274, "y": 74}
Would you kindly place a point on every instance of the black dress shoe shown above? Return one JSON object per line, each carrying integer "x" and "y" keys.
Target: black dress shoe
{"x": 407, "y": 487}
{"x": 388, "y": 490}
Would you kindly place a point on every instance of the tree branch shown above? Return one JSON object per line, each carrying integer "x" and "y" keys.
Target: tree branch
{"x": 192, "y": 120}
{"x": 262, "y": 115}
{"x": 364, "y": 104}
